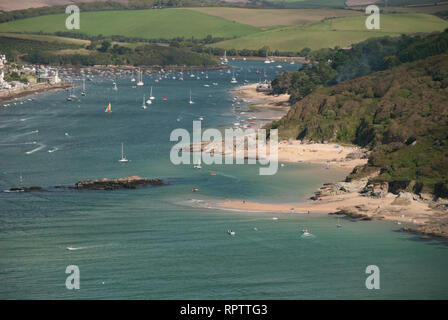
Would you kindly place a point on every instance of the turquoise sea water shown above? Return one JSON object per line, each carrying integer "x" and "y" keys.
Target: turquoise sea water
{"x": 152, "y": 243}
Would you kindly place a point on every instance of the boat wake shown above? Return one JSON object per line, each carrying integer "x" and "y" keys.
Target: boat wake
{"x": 75, "y": 248}
{"x": 41, "y": 146}
{"x": 307, "y": 235}
{"x": 15, "y": 137}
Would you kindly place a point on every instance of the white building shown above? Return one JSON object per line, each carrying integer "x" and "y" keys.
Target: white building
{"x": 50, "y": 76}
{"x": 3, "y": 83}
{"x": 3, "y": 60}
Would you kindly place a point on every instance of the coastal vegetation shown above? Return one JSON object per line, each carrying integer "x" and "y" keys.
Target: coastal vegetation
{"x": 332, "y": 66}
{"x": 399, "y": 114}
{"x": 101, "y": 53}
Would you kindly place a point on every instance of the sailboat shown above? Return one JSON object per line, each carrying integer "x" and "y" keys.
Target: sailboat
{"x": 198, "y": 165}
{"x": 108, "y": 108}
{"x": 115, "y": 87}
{"x": 123, "y": 158}
{"x": 83, "y": 92}
{"x": 267, "y": 59}
{"x": 191, "y": 101}
{"x": 140, "y": 78}
{"x": 19, "y": 188}
{"x": 233, "y": 78}
{"x": 144, "y": 104}
{"x": 224, "y": 59}
{"x": 151, "y": 97}
{"x": 133, "y": 78}
{"x": 338, "y": 225}
{"x": 71, "y": 96}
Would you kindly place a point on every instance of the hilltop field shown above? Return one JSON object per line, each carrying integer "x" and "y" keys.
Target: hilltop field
{"x": 286, "y": 30}
{"x": 340, "y": 32}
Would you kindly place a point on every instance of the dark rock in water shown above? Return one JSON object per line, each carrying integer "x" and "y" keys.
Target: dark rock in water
{"x": 352, "y": 213}
{"x": 104, "y": 184}
{"x": 120, "y": 183}
{"x": 438, "y": 228}
{"x": 25, "y": 189}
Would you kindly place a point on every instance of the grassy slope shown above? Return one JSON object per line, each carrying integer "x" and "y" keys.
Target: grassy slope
{"x": 310, "y": 3}
{"x": 151, "y": 24}
{"x": 39, "y": 37}
{"x": 171, "y": 23}
{"x": 275, "y": 17}
{"x": 333, "y": 32}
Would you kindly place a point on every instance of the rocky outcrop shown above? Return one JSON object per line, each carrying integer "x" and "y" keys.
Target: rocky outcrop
{"x": 397, "y": 186}
{"x": 375, "y": 189}
{"x": 361, "y": 154}
{"x": 331, "y": 189}
{"x": 436, "y": 228}
{"x": 25, "y": 189}
{"x": 355, "y": 212}
{"x": 104, "y": 184}
{"x": 404, "y": 199}
{"x": 120, "y": 183}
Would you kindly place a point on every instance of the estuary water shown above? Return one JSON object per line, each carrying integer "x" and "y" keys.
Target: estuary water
{"x": 153, "y": 243}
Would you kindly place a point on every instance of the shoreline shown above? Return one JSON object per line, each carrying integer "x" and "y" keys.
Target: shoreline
{"x": 297, "y": 151}
{"x": 359, "y": 199}
{"x": 10, "y": 95}
{"x": 301, "y": 60}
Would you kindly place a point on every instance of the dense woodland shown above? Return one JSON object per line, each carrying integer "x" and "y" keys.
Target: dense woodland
{"x": 335, "y": 65}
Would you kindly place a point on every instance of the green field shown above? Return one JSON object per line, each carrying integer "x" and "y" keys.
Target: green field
{"x": 46, "y": 38}
{"x": 310, "y": 3}
{"x": 228, "y": 23}
{"x": 149, "y": 24}
{"x": 275, "y": 17}
{"x": 335, "y": 32}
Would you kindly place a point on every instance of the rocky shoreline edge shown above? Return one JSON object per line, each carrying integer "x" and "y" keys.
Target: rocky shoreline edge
{"x": 424, "y": 214}
{"x": 362, "y": 199}
{"x": 131, "y": 182}
{"x": 10, "y": 95}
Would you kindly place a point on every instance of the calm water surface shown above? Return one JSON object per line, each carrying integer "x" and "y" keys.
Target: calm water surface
{"x": 150, "y": 243}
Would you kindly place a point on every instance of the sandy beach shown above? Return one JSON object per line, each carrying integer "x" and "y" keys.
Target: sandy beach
{"x": 372, "y": 208}
{"x": 354, "y": 199}
{"x": 328, "y": 154}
